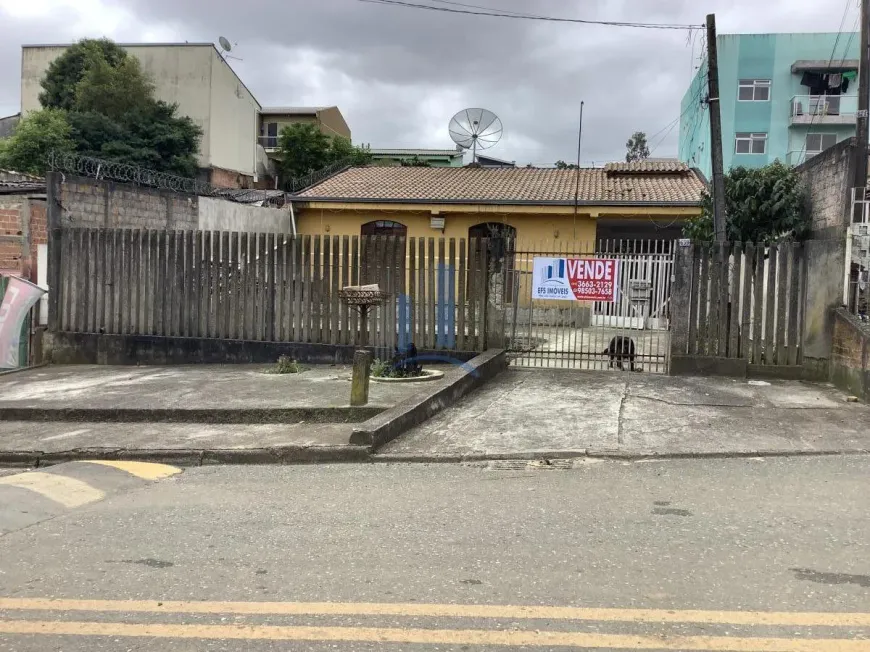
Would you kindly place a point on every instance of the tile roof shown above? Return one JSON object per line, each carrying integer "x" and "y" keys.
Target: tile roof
{"x": 508, "y": 185}
{"x": 647, "y": 167}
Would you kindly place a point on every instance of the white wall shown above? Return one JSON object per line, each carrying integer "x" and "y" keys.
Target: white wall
{"x": 223, "y": 215}
{"x": 234, "y": 118}
{"x": 195, "y": 77}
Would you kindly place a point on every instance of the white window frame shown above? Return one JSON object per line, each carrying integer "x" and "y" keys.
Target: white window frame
{"x": 812, "y": 152}
{"x": 755, "y": 85}
{"x": 751, "y": 138}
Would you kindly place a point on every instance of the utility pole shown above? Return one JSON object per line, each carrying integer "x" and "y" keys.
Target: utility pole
{"x": 716, "y": 130}
{"x": 861, "y": 127}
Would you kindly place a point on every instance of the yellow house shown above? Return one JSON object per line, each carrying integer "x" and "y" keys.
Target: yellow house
{"x": 643, "y": 200}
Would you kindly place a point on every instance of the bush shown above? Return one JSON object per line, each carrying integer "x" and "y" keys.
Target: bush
{"x": 286, "y": 365}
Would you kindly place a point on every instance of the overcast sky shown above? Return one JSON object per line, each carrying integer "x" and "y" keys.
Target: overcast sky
{"x": 399, "y": 74}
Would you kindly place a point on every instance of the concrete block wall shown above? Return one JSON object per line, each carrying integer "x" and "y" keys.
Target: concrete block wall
{"x": 93, "y": 203}
{"x": 850, "y": 355}
{"x": 829, "y": 177}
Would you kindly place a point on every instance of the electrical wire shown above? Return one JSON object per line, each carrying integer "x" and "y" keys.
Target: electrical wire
{"x": 830, "y": 61}
{"x": 555, "y": 19}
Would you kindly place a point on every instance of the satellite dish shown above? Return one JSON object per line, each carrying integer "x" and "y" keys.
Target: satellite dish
{"x": 225, "y": 44}
{"x": 475, "y": 129}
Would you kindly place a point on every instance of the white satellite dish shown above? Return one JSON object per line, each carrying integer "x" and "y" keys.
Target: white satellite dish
{"x": 225, "y": 44}
{"x": 475, "y": 129}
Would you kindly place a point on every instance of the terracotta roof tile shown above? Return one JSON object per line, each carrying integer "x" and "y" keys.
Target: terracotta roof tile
{"x": 646, "y": 167}
{"x": 505, "y": 185}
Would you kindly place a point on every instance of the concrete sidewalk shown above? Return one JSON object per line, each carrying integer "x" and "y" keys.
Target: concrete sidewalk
{"x": 538, "y": 413}
{"x": 196, "y": 414}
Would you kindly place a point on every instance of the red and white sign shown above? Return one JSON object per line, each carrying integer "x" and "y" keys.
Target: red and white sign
{"x": 575, "y": 279}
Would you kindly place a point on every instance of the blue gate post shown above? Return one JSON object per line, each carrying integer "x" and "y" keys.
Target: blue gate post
{"x": 446, "y": 308}
{"x": 403, "y": 321}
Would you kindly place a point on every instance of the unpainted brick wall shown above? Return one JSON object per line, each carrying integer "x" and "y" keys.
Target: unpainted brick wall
{"x": 12, "y": 215}
{"x": 829, "y": 179}
{"x": 850, "y": 354}
{"x": 93, "y": 203}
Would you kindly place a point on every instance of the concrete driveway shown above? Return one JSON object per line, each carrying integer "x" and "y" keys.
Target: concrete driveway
{"x": 535, "y": 412}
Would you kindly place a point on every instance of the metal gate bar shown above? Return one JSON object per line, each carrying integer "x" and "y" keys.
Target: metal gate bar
{"x": 631, "y": 333}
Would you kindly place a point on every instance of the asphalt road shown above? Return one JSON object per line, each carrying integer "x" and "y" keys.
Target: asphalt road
{"x": 738, "y": 554}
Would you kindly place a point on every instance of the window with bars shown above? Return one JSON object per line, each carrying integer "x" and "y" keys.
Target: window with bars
{"x": 750, "y": 143}
{"x": 753, "y": 90}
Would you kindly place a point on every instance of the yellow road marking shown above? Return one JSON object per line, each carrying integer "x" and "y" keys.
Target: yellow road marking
{"x": 507, "y": 612}
{"x": 435, "y": 636}
{"x": 69, "y": 492}
{"x": 144, "y": 470}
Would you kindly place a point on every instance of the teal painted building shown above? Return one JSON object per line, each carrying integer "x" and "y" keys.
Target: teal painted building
{"x": 783, "y": 96}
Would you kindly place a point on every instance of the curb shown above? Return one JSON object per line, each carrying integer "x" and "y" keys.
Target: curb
{"x": 391, "y": 423}
{"x": 192, "y": 457}
{"x": 194, "y": 415}
{"x": 626, "y": 456}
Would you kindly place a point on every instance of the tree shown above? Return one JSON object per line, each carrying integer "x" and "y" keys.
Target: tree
{"x": 305, "y": 149}
{"x": 111, "y": 90}
{"x": 38, "y": 134}
{"x": 107, "y": 103}
{"x": 561, "y": 165}
{"x": 637, "y": 149}
{"x": 61, "y": 80}
{"x": 762, "y": 205}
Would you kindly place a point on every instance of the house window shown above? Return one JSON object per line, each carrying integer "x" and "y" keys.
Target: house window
{"x": 817, "y": 143}
{"x": 384, "y": 227}
{"x": 269, "y": 134}
{"x": 750, "y": 143}
{"x": 753, "y": 90}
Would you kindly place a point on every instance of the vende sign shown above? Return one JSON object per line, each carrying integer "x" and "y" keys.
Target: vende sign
{"x": 575, "y": 279}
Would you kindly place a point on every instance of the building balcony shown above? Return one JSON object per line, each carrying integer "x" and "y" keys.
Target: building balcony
{"x": 269, "y": 143}
{"x": 823, "y": 110}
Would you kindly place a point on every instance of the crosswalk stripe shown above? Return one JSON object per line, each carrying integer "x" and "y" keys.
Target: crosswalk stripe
{"x": 144, "y": 470}
{"x": 512, "y": 638}
{"x": 69, "y": 492}
{"x": 507, "y": 612}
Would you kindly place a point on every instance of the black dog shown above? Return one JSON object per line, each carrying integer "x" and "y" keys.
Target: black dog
{"x": 620, "y": 349}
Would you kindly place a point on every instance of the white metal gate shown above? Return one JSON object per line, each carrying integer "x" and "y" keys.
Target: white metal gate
{"x": 630, "y": 333}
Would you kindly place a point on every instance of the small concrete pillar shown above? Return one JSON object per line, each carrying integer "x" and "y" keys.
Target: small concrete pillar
{"x": 359, "y": 387}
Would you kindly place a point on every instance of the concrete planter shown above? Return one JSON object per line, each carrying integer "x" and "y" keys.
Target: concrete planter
{"x": 428, "y": 374}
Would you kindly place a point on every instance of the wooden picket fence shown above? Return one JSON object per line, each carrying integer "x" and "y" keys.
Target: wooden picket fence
{"x": 744, "y": 301}
{"x": 272, "y": 287}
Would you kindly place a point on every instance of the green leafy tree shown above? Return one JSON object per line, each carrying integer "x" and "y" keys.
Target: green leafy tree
{"x": 562, "y": 165}
{"x": 38, "y": 134}
{"x": 762, "y": 205}
{"x": 108, "y": 106}
{"x": 303, "y": 149}
{"x": 113, "y": 90}
{"x": 60, "y": 84}
{"x": 636, "y": 147}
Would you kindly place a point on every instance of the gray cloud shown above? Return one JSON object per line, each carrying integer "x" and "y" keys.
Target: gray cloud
{"x": 399, "y": 74}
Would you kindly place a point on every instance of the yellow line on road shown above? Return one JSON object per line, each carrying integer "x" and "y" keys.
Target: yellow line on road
{"x": 69, "y": 492}
{"x": 435, "y": 636}
{"x": 144, "y": 470}
{"x": 507, "y": 612}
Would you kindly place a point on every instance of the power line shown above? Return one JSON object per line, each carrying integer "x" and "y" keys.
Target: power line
{"x": 830, "y": 61}
{"x": 517, "y": 16}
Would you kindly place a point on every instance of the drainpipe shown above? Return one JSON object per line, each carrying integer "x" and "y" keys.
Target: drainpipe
{"x": 292, "y": 217}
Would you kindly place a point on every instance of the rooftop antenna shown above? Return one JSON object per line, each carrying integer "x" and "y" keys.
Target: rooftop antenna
{"x": 475, "y": 129}
{"x": 226, "y": 48}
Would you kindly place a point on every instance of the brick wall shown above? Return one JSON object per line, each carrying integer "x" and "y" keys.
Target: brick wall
{"x": 20, "y": 216}
{"x": 850, "y": 355}
{"x": 829, "y": 178}
{"x": 92, "y": 203}
{"x": 229, "y": 179}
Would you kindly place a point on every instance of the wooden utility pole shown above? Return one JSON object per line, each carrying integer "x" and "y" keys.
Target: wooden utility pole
{"x": 861, "y": 127}
{"x": 716, "y": 131}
